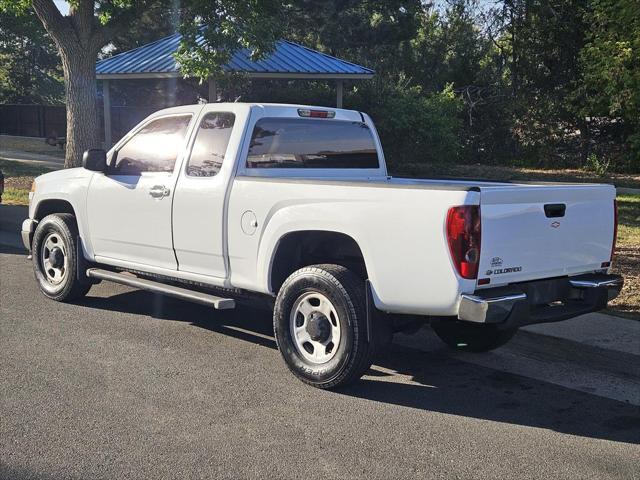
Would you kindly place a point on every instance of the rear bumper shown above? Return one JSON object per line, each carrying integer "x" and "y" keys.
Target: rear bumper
{"x": 540, "y": 301}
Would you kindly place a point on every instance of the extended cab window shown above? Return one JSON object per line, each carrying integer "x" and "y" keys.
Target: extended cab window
{"x": 311, "y": 143}
{"x": 211, "y": 144}
{"x": 154, "y": 148}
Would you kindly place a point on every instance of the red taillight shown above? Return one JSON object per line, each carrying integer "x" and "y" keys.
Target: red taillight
{"x": 306, "y": 112}
{"x": 463, "y": 235}
{"x": 615, "y": 229}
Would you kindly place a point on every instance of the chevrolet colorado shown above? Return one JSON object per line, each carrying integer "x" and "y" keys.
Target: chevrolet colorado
{"x": 293, "y": 204}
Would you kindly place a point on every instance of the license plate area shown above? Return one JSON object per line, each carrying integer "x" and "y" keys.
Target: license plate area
{"x": 547, "y": 292}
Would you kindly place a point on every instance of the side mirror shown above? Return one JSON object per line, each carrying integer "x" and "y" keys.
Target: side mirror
{"x": 95, "y": 160}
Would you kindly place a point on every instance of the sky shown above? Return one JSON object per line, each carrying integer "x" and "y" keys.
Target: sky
{"x": 63, "y": 6}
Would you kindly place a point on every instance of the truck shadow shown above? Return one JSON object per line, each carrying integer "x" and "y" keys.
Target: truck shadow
{"x": 432, "y": 381}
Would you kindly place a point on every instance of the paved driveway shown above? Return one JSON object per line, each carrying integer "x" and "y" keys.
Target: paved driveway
{"x": 127, "y": 384}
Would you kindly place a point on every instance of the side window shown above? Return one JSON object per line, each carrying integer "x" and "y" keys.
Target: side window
{"x": 211, "y": 143}
{"x": 311, "y": 143}
{"x": 154, "y": 148}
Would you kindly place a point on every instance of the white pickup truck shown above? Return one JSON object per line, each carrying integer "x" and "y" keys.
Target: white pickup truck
{"x": 293, "y": 204}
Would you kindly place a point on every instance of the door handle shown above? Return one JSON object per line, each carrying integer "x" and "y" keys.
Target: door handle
{"x": 159, "y": 191}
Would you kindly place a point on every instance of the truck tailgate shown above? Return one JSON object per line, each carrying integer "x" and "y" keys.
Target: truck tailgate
{"x": 543, "y": 231}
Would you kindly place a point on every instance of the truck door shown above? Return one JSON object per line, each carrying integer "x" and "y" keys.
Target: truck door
{"x": 199, "y": 208}
{"x": 129, "y": 207}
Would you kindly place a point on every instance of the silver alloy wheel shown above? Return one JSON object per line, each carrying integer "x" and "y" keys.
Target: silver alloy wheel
{"x": 315, "y": 327}
{"x": 54, "y": 259}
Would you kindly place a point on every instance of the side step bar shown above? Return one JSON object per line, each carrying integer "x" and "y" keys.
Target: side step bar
{"x": 218, "y": 303}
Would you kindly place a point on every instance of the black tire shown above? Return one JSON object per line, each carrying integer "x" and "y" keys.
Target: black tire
{"x": 472, "y": 337}
{"x": 346, "y": 292}
{"x": 61, "y": 226}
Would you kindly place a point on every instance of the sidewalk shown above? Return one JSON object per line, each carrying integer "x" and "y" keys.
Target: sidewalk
{"x": 36, "y": 159}
{"x": 31, "y": 151}
{"x": 601, "y": 330}
{"x": 605, "y": 361}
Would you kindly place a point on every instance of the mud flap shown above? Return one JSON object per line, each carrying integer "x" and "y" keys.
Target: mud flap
{"x": 379, "y": 331}
{"x": 371, "y": 308}
{"x": 81, "y": 262}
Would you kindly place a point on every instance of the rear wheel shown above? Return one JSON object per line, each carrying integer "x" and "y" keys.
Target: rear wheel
{"x": 320, "y": 325}
{"x": 54, "y": 252}
{"x": 472, "y": 337}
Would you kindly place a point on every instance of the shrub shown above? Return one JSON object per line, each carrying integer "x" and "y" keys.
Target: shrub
{"x": 597, "y": 165}
{"x": 414, "y": 128}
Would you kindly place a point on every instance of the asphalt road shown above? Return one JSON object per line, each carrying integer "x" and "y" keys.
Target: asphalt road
{"x": 126, "y": 384}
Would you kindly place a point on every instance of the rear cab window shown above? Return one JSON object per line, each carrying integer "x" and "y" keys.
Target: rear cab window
{"x": 210, "y": 147}
{"x": 307, "y": 143}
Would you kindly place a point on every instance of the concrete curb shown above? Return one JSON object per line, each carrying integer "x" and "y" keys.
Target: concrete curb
{"x": 598, "y": 330}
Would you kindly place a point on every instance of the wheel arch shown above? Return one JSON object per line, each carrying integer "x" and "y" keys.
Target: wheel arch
{"x": 62, "y": 204}
{"x": 49, "y": 206}
{"x": 301, "y": 248}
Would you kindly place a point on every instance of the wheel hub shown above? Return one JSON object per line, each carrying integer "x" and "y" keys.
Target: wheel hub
{"x": 56, "y": 257}
{"x": 315, "y": 327}
{"x": 318, "y": 327}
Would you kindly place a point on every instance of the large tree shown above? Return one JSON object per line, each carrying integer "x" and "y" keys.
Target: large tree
{"x": 91, "y": 25}
{"x": 540, "y": 43}
{"x": 610, "y": 60}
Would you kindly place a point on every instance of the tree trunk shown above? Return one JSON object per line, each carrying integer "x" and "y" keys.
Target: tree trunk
{"x": 79, "y": 39}
{"x": 82, "y": 113}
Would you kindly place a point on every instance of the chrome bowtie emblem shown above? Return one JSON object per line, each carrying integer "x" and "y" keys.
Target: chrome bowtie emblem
{"x": 555, "y": 224}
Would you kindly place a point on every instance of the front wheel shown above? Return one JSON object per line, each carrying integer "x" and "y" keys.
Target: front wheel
{"x": 472, "y": 337}
{"x": 54, "y": 251}
{"x": 320, "y": 325}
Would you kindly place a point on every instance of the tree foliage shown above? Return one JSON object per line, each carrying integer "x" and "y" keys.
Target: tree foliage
{"x": 610, "y": 60}
{"x": 535, "y": 82}
{"x": 30, "y": 70}
{"x": 212, "y": 30}
{"x": 417, "y": 128}
{"x": 90, "y": 25}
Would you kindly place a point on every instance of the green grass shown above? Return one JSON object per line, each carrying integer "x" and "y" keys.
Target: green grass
{"x": 18, "y": 177}
{"x": 627, "y": 259}
{"x": 12, "y": 168}
{"x": 15, "y": 196}
{"x": 629, "y": 219}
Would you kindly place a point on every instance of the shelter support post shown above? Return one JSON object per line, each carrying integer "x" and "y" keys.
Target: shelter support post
{"x": 213, "y": 91}
{"x": 106, "y": 104}
{"x": 338, "y": 93}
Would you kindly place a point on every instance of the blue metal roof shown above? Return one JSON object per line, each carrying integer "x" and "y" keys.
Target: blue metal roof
{"x": 288, "y": 59}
